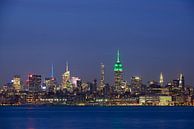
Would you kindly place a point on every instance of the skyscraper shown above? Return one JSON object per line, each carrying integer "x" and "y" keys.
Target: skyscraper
{"x": 93, "y": 86}
{"x": 136, "y": 85}
{"x": 161, "y": 79}
{"x": 74, "y": 81}
{"x": 102, "y": 84}
{"x": 50, "y": 84}
{"x": 17, "y": 82}
{"x": 118, "y": 70}
{"x": 66, "y": 78}
{"x": 181, "y": 81}
{"x": 34, "y": 83}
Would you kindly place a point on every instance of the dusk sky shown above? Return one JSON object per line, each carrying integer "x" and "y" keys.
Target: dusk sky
{"x": 153, "y": 36}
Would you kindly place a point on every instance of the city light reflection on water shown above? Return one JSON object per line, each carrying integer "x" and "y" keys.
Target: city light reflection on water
{"x": 30, "y": 123}
{"x": 96, "y": 117}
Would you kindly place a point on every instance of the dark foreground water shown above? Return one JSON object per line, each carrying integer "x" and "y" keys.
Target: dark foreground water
{"x": 56, "y": 117}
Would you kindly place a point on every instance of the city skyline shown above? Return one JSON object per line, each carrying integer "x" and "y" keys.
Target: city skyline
{"x": 101, "y": 79}
{"x": 153, "y": 36}
{"x": 72, "y": 90}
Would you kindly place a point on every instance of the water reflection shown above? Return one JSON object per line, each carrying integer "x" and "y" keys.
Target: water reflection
{"x": 96, "y": 118}
{"x": 30, "y": 123}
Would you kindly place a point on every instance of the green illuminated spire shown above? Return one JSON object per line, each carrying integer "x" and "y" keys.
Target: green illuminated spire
{"x": 118, "y": 66}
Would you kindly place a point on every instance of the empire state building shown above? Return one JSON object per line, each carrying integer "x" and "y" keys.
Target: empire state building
{"x": 118, "y": 70}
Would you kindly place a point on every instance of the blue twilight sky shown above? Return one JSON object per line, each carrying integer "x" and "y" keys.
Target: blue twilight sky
{"x": 153, "y": 36}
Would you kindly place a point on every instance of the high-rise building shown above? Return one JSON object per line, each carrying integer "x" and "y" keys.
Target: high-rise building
{"x": 79, "y": 85}
{"x": 107, "y": 90}
{"x": 74, "y": 81}
{"x": 93, "y": 87}
{"x": 181, "y": 81}
{"x": 102, "y": 83}
{"x": 136, "y": 85}
{"x": 17, "y": 83}
{"x": 34, "y": 83}
{"x": 161, "y": 79}
{"x": 50, "y": 84}
{"x": 118, "y": 70}
{"x": 66, "y": 78}
{"x": 175, "y": 83}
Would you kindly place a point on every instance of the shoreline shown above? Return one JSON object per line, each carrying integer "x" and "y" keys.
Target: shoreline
{"x": 64, "y": 105}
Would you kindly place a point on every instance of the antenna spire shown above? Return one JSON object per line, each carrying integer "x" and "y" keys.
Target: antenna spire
{"x": 67, "y": 66}
{"x": 52, "y": 71}
{"x": 118, "y": 56}
{"x": 161, "y": 79}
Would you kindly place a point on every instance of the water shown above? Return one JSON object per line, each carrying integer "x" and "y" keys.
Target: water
{"x": 58, "y": 117}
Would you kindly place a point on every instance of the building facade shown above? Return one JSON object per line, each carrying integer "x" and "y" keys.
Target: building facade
{"x": 17, "y": 83}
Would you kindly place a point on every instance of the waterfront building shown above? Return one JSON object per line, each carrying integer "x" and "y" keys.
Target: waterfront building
{"x": 155, "y": 100}
{"x": 165, "y": 100}
{"x": 179, "y": 99}
{"x": 149, "y": 100}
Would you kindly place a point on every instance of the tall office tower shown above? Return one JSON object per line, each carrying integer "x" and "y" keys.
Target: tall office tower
{"x": 107, "y": 90}
{"x": 66, "y": 78}
{"x": 102, "y": 84}
{"x": 136, "y": 85}
{"x": 79, "y": 85}
{"x": 118, "y": 70}
{"x": 181, "y": 81}
{"x": 93, "y": 87}
{"x": 74, "y": 81}
{"x": 175, "y": 83}
{"x": 161, "y": 79}
{"x": 17, "y": 83}
{"x": 50, "y": 84}
{"x": 34, "y": 83}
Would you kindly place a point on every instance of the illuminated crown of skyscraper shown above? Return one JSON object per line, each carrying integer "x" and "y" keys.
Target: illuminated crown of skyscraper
{"x": 118, "y": 65}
